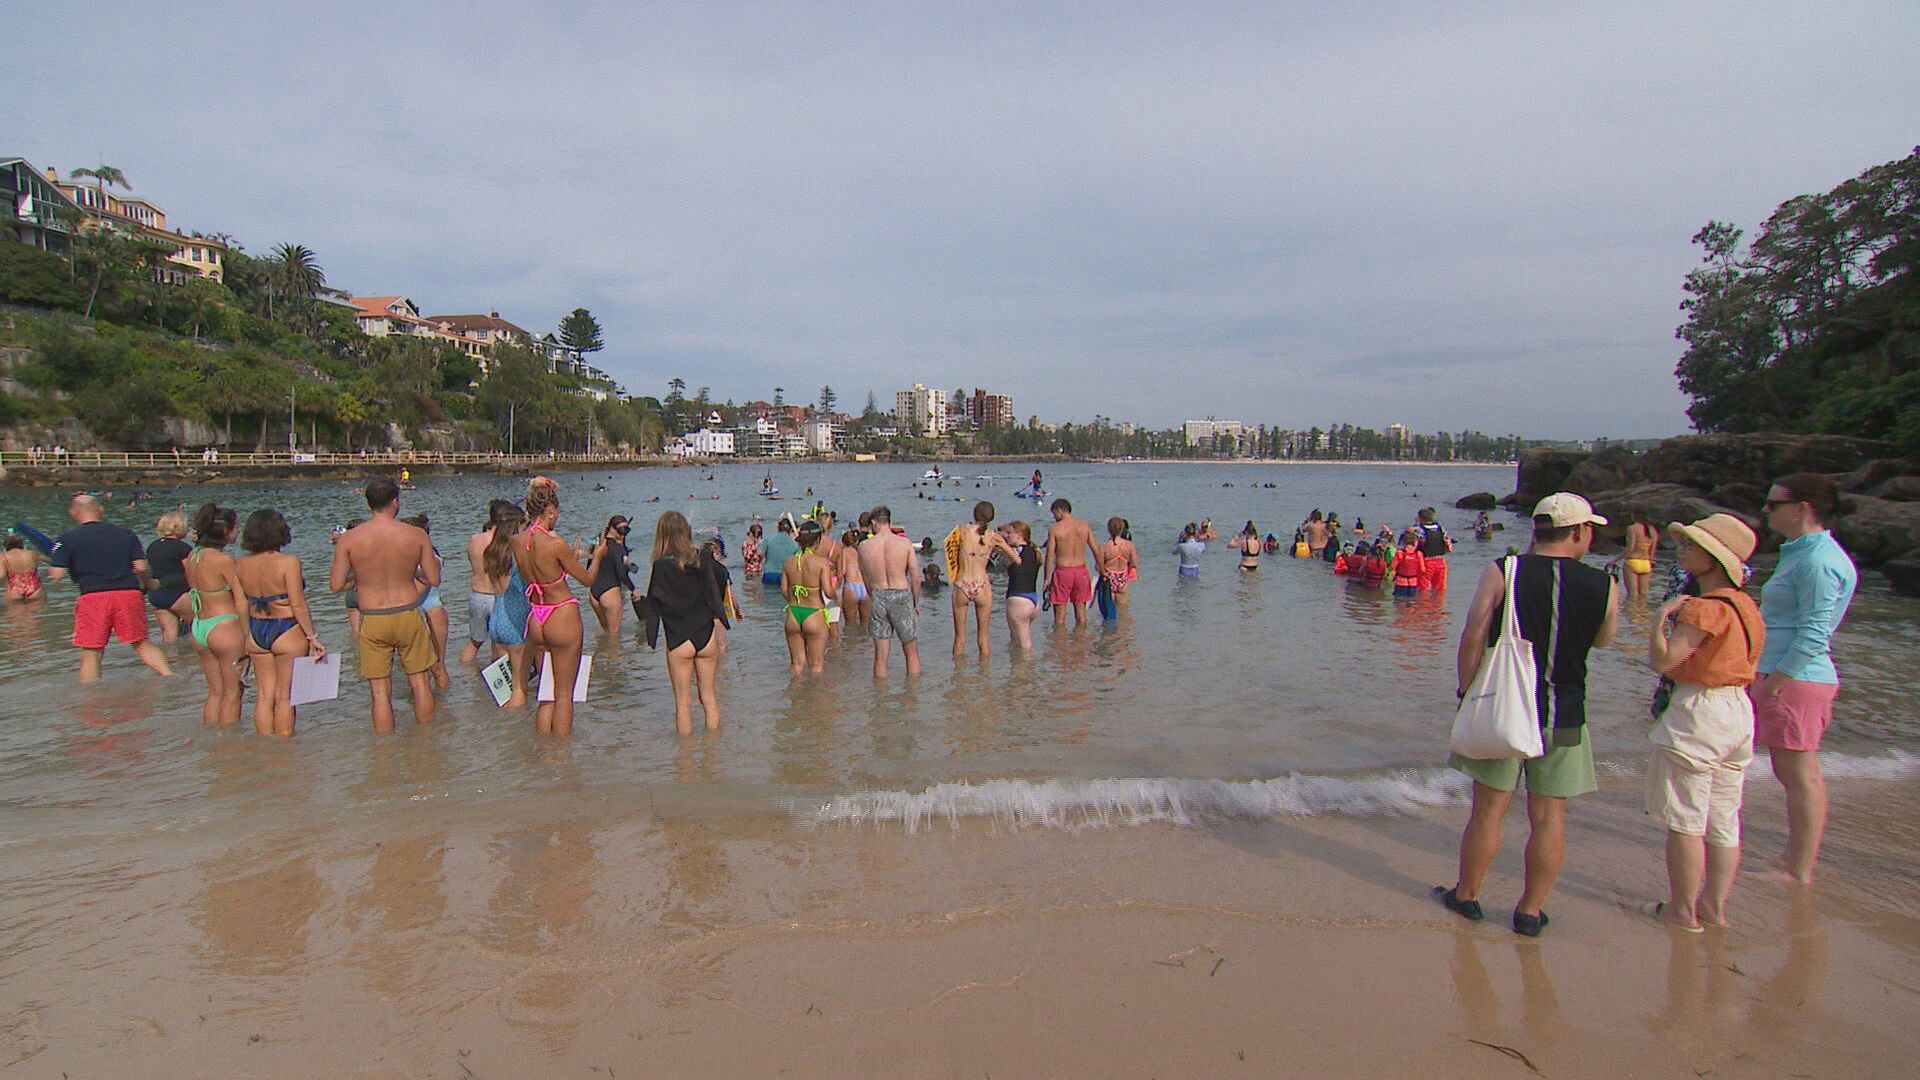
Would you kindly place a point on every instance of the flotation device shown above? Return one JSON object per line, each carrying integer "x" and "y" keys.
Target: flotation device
{"x": 953, "y": 552}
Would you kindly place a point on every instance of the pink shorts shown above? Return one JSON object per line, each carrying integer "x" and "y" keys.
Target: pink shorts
{"x": 1793, "y": 719}
{"x": 1071, "y": 585}
{"x": 121, "y": 612}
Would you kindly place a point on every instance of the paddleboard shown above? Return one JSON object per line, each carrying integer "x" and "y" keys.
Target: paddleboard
{"x": 1029, "y": 494}
{"x": 35, "y": 537}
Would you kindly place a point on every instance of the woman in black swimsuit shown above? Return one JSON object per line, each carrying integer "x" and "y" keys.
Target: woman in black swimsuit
{"x": 684, "y": 596}
{"x": 613, "y": 581}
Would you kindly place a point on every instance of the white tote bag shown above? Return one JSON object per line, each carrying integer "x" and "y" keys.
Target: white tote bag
{"x": 1499, "y": 717}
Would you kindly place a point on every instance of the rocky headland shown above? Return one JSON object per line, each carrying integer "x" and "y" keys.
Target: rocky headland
{"x": 1691, "y": 476}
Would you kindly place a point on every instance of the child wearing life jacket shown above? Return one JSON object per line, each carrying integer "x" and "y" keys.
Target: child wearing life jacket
{"x": 1301, "y": 549}
{"x": 1408, "y": 565}
{"x": 1375, "y": 573}
{"x": 1343, "y": 563}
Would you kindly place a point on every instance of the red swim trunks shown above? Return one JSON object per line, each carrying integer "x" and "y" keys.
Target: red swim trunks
{"x": 1793, "y": 719}
{"x": 1433, "y": 575}
{"x": 121, "y": 612}
{"x": 1071, "y": 585}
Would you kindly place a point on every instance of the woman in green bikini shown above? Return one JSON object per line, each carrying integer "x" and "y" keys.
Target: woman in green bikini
{"x": 806, "y": 580}
{"x": 219, "y": 638}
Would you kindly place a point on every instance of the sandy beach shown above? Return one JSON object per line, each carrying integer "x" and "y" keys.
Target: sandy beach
{"x": 689, "y": 941}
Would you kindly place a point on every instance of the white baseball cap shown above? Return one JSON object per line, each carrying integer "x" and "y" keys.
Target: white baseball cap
{"x": 1564, "y": 508}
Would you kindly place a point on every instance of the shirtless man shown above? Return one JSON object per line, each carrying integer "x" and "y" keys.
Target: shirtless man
{"x": 971, "y": 589}
{"x": 1069, "y": 543}
{"x": 1119, "y": 561}
{"x": 1316, "y": 535}
{"x": 481, "y": 591}
{"x": 891, "y": 564}
{"x": 390, "y": 562}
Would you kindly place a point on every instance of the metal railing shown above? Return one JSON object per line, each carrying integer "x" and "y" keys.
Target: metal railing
{"x": 122, "y": 459}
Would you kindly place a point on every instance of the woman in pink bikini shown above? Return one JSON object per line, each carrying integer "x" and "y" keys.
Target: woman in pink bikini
{"x": 554, "y": 630}
{"x": 23, "y": 571}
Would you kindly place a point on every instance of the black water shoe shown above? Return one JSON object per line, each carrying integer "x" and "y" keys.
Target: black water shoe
{"x": 1529, "y": 925}
{"x": 1450, "y": 899}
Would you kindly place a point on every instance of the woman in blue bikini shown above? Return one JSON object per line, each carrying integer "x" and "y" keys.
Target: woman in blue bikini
{"x": 279, "y": 626}
{"x": 219, "y": 639}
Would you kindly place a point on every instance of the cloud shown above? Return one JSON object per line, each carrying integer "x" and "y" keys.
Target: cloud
{"x": 1473, "y": 218}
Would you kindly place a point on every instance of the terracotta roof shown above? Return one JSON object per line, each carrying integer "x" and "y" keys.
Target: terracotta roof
{"x": 477, "y": 322}
{"x": 377, "y": 306}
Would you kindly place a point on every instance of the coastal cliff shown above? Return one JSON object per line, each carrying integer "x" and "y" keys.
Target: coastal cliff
{"x": 1691, "y": 476}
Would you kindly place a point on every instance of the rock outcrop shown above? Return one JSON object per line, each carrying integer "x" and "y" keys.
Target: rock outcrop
{"x": 1479, "y": 500}
{"x": 1691, "y": 476}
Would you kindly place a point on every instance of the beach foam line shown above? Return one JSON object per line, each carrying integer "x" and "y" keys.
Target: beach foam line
{"x": 1891, "y": 765}
{"x": 1078, "y": 804}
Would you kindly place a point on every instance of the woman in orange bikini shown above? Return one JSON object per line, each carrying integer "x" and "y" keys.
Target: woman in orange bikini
{"x": 554, "y": 629}
{"x": 971, "y": 589}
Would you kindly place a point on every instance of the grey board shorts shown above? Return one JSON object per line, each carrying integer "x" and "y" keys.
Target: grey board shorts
{"x": 894, "y": 617}
{"x": 479, "y": 607}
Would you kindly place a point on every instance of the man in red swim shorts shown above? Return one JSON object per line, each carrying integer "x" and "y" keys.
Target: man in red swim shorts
{"x": 110, "y": 568}
{"x": 1070, "y": 553}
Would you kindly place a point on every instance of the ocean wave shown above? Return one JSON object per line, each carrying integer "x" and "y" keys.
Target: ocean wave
{"x": 1070, "y": 804}
{"x": 1888, "y": 766}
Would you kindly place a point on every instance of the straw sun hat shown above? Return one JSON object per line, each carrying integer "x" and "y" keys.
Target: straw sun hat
{"x": 1724, "y": 537}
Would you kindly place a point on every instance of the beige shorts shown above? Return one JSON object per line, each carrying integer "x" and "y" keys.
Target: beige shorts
{"x": 402, "y": 632}
{"x": 1702, "y": 746}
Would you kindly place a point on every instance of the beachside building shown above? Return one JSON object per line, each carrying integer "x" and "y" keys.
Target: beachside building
{"x": 792, "y": 444}
{"x": 710, "y": 443}
{"x": 1215, "y": 434}
{"x": 489, "y": 329}
{"x": 986, "y": 410}
{"x": 758, "y": 437}
{"x": 189, "y": 256}
{"x": 819, "y": 434}
{"x": 921, "y": 410}
{"x": 35, "y": 211}
{"x": 384, "y": 316}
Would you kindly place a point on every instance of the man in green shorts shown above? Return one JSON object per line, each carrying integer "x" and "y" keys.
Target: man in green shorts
{"x": 1567, "y": 608}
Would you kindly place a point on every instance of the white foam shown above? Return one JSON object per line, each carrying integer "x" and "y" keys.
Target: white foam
{"x": 1891, "y": 765}
{"x": 1069, "y": 804}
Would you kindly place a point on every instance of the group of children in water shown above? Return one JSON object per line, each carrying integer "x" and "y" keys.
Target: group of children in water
{"x": 1413, "y": 561}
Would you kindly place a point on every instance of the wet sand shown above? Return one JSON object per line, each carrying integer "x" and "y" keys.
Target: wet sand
{"x": 681, "y": 937}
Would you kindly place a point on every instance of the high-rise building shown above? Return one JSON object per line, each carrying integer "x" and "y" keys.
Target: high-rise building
{"x": 921, "y": 410}
{"x": 1216, "y": 434}
{"x": 986, "y": 410}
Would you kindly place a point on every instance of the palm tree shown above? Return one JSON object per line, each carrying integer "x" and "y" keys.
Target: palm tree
{"x": 104, "y": 177}
{"x": 293, "y": 271}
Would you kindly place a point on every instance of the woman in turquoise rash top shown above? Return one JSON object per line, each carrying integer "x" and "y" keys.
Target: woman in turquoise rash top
{"x": 1802, "y": 604}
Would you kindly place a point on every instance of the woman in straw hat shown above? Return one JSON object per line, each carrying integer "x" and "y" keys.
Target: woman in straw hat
{"x": 1703, "y": 739}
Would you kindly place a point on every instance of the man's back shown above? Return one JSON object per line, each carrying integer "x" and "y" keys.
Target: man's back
{"x": 476, "y": 562}
{"x": 1068, "y": 540}
{"x": 100, "y": 555}
{"x": 886, "y": 560}
{"x": 384, "y": 555}
{"x": 1571, "y": 630}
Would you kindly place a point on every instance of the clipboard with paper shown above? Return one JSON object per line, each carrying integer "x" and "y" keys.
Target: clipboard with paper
{"x": 314, "y": 679}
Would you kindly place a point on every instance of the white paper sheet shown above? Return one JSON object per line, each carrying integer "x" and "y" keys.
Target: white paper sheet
{"x": 579, "y": 684}
{"x": 499, "y": 679}
{"x": 315, "y": 680}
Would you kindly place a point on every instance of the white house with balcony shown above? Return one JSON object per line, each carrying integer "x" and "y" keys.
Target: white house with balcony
{"x": 710, "y": 443}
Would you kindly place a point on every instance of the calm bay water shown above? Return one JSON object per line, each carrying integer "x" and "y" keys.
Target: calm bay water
{"x": 1229, "y": 676}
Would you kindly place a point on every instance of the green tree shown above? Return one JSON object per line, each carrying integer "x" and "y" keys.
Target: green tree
{"x": 104, "y": 177}
{"x": 827, "y": 398}
{"x": 350, "y": 414}
{"x": 580, "y": 331}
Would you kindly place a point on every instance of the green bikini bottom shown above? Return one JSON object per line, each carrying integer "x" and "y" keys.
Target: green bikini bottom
{"x": 203, "y": 628}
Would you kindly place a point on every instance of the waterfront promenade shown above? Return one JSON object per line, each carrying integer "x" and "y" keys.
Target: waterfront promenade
{"x": 45, "y": 467}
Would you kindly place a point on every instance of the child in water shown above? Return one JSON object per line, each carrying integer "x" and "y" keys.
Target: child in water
{"x": 1407, "y": 567}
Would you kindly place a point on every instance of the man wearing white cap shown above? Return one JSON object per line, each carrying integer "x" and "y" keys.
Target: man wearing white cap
{"x": 1565, "y": 609}
{"x": 1703, "y": 738}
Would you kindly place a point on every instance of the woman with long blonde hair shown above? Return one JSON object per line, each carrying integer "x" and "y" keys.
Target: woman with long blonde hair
{"x": 554, "y": 630}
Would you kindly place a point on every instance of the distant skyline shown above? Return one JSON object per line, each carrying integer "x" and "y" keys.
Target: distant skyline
{"x": 1277, "y": 213}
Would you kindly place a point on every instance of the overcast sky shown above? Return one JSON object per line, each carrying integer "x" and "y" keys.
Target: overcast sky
{"x": 1271, "y": 212}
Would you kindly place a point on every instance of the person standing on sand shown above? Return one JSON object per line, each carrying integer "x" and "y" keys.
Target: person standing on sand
{"x": 1703, "y": 739}
{"x": 972, "y": 591}
{"x": 891, "y": 564}
{"x": 386, "y": 561}
{"x": 482, "y": 590}
{"x": 1566, "y": 608}
{"x": 1070, "y": 551}
{"x": 110, "y": 570}
{"x": 1803, "y": 603}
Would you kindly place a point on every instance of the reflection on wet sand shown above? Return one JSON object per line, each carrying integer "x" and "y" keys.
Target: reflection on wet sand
{"x": 398, "y": 918}
{"x": 1480, "y": 1004}
{"x": 539, "y": 910}
{"x": 803, "y": 746}
{"x": 254, "y": 912}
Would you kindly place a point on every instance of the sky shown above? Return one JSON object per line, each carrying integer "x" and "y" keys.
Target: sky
{"x": 1271, "y": 212}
